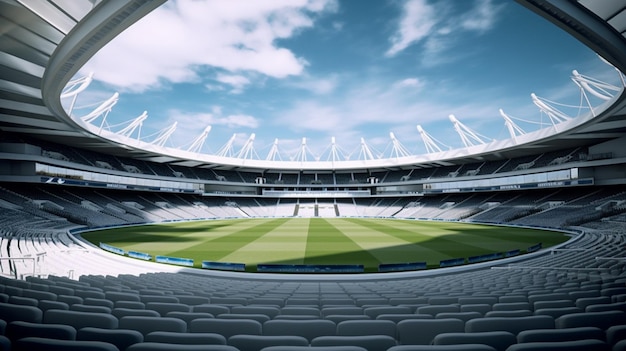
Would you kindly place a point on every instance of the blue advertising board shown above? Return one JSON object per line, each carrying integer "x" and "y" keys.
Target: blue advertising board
{"x": 175, "y": 260}
{"x": 224, "y": 266}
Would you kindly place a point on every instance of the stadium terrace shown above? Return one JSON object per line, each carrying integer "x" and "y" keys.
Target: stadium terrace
{"x": 526, "y": 233}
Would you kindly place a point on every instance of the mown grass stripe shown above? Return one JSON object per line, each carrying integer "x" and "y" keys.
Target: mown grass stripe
{"x": 218, "y": 231}
{"x": 286, "y": 243}
{"x": 450, "y": 245}
{"x": 327, "y": 244}
{"x": 384, "y": 246}
{"x": 158, "y": 239}
{"x": 499, "y": 235}
{"x": 222, "y": 246}
{"x": 510, "y": 234}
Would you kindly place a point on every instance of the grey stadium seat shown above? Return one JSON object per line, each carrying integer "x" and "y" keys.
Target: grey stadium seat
{"x": 557, "y": 312}
{"x": 367, "y": 327}
{"x": 464, "y": 347}
{"x": 602, "y": 320}
{"x": 120, "y": 312}
{"x": 369, "y": 342}
{"x": 558, "y": 335}
{"x": 510, "y": 324}
{"x": 615, "y": 334}
{"x": 225, "y": 327}
{"x": 45, "y": 305}
{"x": 10, "y": 312}
{"x": 434, "y": 309}
{"x": 423, "y": 331}
{"x": 313, "y": 348}
{"x": 122, "y": 338}
{"x": 188, "y": 316}
{"x": 44, "y": 344}
{"x": 212, "y": 309}
{"x": 157, "y": 346}
{"x": 342, "y": 310}
{"x": 79, "y": 319}
{"x": 269, "y": 311}
{"x": 146, "y": 325}
{"x": 400, "y": 317}
{"x": 578, "y": 345}
{"x": 90, "y": 308}
{"x": 515, "y": 313}
{"x": 185, "y": 338}
{"x": 499, "y": 340}
{"x": 338, "y": 318}
{"x": 309, "y": 329}
{"x": 258, "y": 342}
{"x": 164, "y": 307}
{"x": 375, "y": 311}
{"x": 464, "y": 316}
{"x": 20, "y": 329}
{"x": 261, "y": 318}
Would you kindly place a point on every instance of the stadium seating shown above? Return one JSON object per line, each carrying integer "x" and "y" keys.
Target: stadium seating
{"x": 58, "y": 292}
{"x": 507, "y": 290}
{"x": 565, "y": 295}
{"x": 121, "y": 338}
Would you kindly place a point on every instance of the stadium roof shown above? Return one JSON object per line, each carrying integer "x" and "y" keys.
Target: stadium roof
{"x": 44, "y": 43}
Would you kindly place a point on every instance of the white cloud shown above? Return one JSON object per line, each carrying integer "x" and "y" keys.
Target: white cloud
{"x": 237, "y": 82}
{"x": 203, "y": 119}
{"x": 482, "y": 17}
{"x": 214, "y": 87}
{"x": 240, "y": 120}
{"x": 417, "y": 23}
{"x": 375, "y": 108}
{"x": 437, "y": 26}
{"x": 172, "y": 42}
{"x": 338, "y": 25}
{"x": 319, "y": 86}
{"x": 411, "y": 83}
{"x": 193, "y": 123}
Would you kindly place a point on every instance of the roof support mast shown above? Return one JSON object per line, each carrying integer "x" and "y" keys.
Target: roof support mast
{"x": 553, "y": 113}
{"x": 164, "y": 135}
{"x": 468, "y": 136}
{"x": 274, "y": 155}
{"x": 335, "y": 153}
{"x": 398, "y": 149}
{"x": 302, "y": 152}
{"x": 428, "y": 140}
{"x": 513, "y": 128}
{"x": 247, "y": 151}
{"x": 595, "y": 87}
{"x": 365, "y": 153}
{"x": 197, "y": 143}
{"x": 75, "y": 87}
{"x": 136, "y": 123}
{"x": 104, "y": 108}
{"x": 227, "y": 150}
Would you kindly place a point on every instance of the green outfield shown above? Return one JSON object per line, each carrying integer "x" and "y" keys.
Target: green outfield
{"x": 365, "y": 241}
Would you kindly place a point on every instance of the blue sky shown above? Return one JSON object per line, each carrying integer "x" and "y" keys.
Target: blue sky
{"x": 348, "y": 69}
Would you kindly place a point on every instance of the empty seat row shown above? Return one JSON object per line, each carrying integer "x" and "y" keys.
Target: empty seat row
{"x": 104, "y": 339}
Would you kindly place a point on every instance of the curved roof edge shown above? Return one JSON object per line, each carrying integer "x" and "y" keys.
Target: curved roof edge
{"x": 109, "y": 18}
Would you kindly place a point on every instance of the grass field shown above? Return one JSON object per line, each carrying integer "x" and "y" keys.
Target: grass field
{"x": 364, "y": 241}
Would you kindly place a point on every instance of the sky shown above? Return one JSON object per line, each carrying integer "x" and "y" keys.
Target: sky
{"x": 350, "y": 70}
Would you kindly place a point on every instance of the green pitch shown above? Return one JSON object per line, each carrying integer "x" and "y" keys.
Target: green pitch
{"x": 369, "y": 242}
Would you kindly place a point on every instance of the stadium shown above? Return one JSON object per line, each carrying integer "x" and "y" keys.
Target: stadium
{"x": 106, "y": 240}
